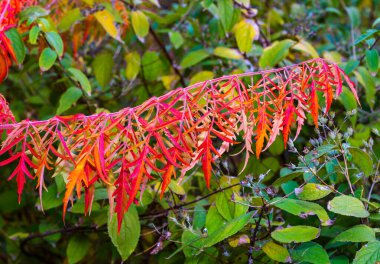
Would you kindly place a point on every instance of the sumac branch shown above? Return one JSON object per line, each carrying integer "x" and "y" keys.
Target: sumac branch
{"x": 167, "y": 135}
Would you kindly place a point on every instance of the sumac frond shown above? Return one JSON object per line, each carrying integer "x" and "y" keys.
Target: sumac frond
{"x": 126, "y": 149}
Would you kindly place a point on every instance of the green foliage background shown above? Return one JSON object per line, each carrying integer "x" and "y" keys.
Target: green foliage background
{"x": 293, "y": 205}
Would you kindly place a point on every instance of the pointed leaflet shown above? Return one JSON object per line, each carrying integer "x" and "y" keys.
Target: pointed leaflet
{"x": 77, "y": 175}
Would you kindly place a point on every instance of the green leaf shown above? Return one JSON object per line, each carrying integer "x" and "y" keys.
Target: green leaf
{"x": 199, "y": 219}
{"x": 68, "y": 98}
{"x": 225, "y": 10}
{"x": 310, "y": 252}
{"x": 126, "y": 240}
{"x": 349, "y": 102}
{"x": 365, "y": 35}
{"x": 47, "y": 59}
{"x": 347, "y": 205}
{"x": 201, "y": 77}
{"x": 245, "y": 32}
{"x": 55, "y": 42}
{"x": 81, "y": 78}
{"x": 140, "y": 24}
{"x": 102, "y": 67}
{"x": 214, "y": 220}
{"x": 358, "y": 233}
{"x": 362, "y": 160}
{"x": 312, "y": 191}
{"x": 227, "y": 53}
{"x": 228, "y": 229}
{"x": 70, "y": 17}
{"x": 193, "y": 58}
{"x": 176, "y": 39}
{"x": 152, "y": 65}
{"x": 77, "y": 248}
{"x": 295, "y": 234}
{"x": 354, "y": 15}
{"x": 369, "y": 253}
{"x": 288, "y": 176}
{"x": 372, "y": 60}
{"x": 33, "y": 12}
{"x": 276, "y": 252}
{"x": 275, "y": 53}
{"x": 133, "y": 65}
{"x": 17, "y": 44}
{"x": 368, "y": 83}
{"x": 50, "y": 199}
{"x": 306, "y": 47}
{"x": 33, "y": 35}
{"x": 302, "y": 208}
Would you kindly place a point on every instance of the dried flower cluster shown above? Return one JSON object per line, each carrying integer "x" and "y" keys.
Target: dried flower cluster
{"x": 169, "y": 134}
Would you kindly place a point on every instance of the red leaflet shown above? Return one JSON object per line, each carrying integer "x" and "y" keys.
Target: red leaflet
{"x": 125, "y": 150}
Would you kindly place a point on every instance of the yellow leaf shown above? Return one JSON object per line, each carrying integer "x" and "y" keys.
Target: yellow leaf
{"x": 227, "y": 53}
{"x": 245, "y": 32}
{"x": 133, "y": 65}
{"x": 201, "y": 77}
{"x": 107, "y": 20}
{"x": 332, "y": 56}
{"x": 140, "y": 24}
{"x": 169, "y": 81}
{"x": 305, "y": 46}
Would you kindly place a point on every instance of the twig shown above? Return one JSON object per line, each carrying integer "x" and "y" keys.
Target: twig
{"x": 167, "y": 55}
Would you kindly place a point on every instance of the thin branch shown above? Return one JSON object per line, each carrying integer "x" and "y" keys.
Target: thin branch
{"x": 167, "y": 55}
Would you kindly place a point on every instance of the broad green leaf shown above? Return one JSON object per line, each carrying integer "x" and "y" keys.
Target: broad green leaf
{"x": 245, "y": 32}
{"x": 376, "y": 22}
{"x": 126, "y": 240}
{"x": 77, "y": 248}
{"x": 70, "y": 17}
{"x": 201, "y": 77}
{"x": 140, "y": 24}
{"x": 310, "y": 252}
{"x": 306, "y": 47}
{"x": 50, "y": 198}
{"x": 152, "y": 65}
{"x": 276, "y": 252}
{"x": 107, "y": 20}
{"x": 68, "y": 98}
{"x": 312, "y": 191}
{"x": 347, "y": 205}
{"x": 365, "y": 35}
{"x": 199, "y": 219}
{"x": 369, "y": 253}
{"x": 228, "y": 229}
{"x": 176, "y": 39}
{"x": 55, "y": 41}
{"x": 359, "y": 233}
{"x": 133, "y": 65}
{"x": 372, "y": 60}
{"x": 275, "y": 53}
{"x": 225, "y": 11}
{"x": 297, "y": 234}
{"x": 17, "y": 44}
{"x": 47, "y": 59}
{"x": 214, "y": 220}
{"x": 302, "y": 208}
{"x": 368, "y": 83}
{"x": 33, "y": 35}
{"x": 227, "y": 53}
{"x": 81, "y": 78}
{"x": 224, "y": 205}
{"x": 362, "y": 160}
{"x": 33, "y": 12}
{"x": 193, "y": 58}
{"x": 102, "y": 67}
